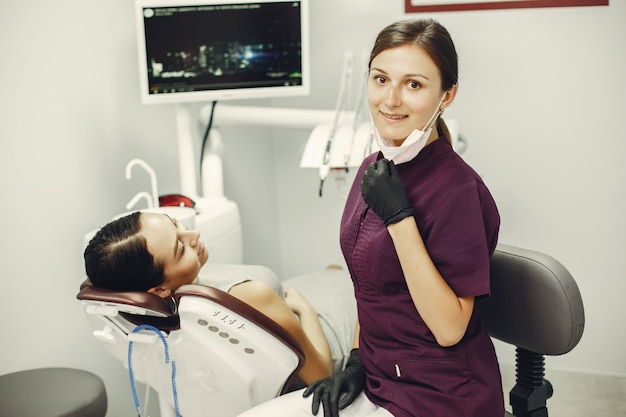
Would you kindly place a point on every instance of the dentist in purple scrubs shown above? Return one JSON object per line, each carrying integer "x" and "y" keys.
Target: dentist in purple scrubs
{"x": 417, "y": 232}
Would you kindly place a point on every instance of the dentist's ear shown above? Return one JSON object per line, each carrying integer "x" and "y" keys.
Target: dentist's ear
{"x": 160, "y": 291}
{"x": 449, "y": 97}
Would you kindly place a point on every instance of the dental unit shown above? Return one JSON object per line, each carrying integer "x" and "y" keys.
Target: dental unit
{"x": 210, "y": 354}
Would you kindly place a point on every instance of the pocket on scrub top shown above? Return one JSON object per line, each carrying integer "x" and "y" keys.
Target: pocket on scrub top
{"x": 448, "y": 376}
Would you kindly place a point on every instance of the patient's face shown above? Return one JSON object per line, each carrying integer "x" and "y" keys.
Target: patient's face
{"x": 181, "y": 251}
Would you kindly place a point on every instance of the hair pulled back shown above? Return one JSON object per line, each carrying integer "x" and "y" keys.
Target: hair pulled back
{"x": 429, "y": 35}
{"x": 433, "y": 38}
{"x": 117, "y": 257}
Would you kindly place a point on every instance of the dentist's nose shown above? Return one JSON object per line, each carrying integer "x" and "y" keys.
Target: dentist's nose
{"x": 393, "y": 98}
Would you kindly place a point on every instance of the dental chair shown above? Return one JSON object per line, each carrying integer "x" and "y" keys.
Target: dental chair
{"x": 536, "y": 306}
{"x": 204, "y": 352}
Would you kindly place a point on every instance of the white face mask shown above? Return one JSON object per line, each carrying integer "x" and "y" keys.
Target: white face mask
{"x": 412, "y": 145}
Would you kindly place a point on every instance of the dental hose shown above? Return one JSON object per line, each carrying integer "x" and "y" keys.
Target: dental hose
{"x": 206, "y": 133}
{"x": 167, "y": 360}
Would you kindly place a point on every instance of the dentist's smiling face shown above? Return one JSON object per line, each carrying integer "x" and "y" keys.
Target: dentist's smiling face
{"x": 403, "y": 91}
{"x": 180, "y": 251}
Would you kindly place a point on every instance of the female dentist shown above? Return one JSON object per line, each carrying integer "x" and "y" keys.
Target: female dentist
{"x": 417, "y": 233}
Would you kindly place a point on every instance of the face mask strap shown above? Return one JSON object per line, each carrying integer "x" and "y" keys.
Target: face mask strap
{"x": 435, "y": 115}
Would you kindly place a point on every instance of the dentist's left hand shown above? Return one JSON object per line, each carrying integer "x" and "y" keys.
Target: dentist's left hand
{"x": 383, "y": 191}
{"x": 340, "y": 390}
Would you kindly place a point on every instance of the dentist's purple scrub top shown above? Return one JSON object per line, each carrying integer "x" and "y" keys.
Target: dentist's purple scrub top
{"x": 408, "y": 373}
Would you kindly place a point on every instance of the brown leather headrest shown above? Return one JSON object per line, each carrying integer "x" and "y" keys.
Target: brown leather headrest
{"x": 138, "y": 307}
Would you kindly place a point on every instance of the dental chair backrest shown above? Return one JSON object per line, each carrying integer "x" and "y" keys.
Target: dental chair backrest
{"x": 535, "y": 305}
{"x": 228, "y": 356}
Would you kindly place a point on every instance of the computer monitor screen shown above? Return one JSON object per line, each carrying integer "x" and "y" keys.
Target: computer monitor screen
{"x": 209, "y": 50}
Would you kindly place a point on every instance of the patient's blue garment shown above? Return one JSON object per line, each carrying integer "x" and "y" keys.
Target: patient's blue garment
{"x": 329, "y": 291}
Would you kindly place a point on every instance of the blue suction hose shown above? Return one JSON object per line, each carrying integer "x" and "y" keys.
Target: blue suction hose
{"x": 167, "y": 360}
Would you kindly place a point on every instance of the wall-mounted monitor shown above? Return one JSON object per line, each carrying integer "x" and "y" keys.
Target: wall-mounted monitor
{"x": 210, "y": 50}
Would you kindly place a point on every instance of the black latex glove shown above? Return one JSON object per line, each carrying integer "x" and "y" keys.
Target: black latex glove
{"x": 329, "y": 391}
{"x": 383, "y": 191}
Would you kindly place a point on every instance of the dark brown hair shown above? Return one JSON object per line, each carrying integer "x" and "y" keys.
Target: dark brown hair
{"x": 433, "y": 38}
{"x": 117, "y": 257}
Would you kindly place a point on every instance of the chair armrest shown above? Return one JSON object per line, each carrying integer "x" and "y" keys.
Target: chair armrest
{"x": 245, "y": 310}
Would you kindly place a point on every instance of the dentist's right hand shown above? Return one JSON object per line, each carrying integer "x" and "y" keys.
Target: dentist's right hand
{"x": 328, "y": 391}
{"x": 383, "y": 191}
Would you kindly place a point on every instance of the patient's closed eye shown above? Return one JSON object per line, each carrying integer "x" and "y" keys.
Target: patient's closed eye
{"x": 177, "y": 224}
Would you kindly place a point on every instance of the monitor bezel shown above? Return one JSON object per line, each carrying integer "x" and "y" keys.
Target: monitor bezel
{"x": 218, "y": 95}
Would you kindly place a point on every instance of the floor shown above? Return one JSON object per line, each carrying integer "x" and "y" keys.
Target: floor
{"x": 575, "y": 394}
{"x": 578, "y": 394}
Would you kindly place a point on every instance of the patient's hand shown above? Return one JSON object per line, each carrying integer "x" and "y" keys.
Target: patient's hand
{"x": 296, "y": 301}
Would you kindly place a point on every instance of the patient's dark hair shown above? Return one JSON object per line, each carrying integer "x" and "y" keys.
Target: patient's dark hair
{"x": 117, "y": 257}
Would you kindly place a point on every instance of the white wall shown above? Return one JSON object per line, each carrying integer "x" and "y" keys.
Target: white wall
{"x": 553, "y": 150}
{"x": 541, "y": 104}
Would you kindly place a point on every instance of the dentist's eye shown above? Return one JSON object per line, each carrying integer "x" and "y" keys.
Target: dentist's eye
{"x": 378, "y": 78}
{"x": 414, "y": 85}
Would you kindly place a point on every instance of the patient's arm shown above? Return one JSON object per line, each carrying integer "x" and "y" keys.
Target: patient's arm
{"x": 261, "y": 296}
{"x": 310, "y": 321}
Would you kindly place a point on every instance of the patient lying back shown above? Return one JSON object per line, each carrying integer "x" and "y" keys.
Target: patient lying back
{"x": 152, "y": 252}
